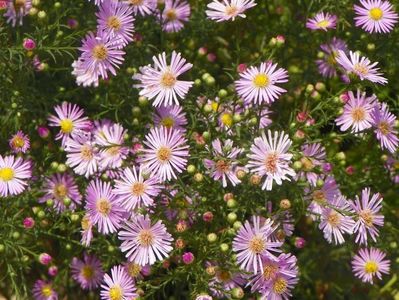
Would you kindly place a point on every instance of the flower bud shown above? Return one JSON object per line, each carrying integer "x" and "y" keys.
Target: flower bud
{"x": 29, "y": 44}
{"x": 285, "y": 204}
{"x": 212, "y": 237}
{"x": 45, "y": 259}
{"x": 188, "y": 258}
{"x": 207, "y": 216}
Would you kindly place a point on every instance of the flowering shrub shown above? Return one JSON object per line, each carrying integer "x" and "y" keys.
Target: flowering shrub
{"x": 199, "y": 149}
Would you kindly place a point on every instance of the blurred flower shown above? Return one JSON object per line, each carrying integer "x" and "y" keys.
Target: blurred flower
{"x": 322, "y": 21}
{"x": 19, "y": 142}
{"x": 328, "y": 65}
{"x": 314, "y": 156}
{"x": 87, "y": 272}
{"x": 118, "y": 286}
{"x": 14, "y": 171}
{"x": 384, "y": 123}
{"x": 16, "y": 10}
{"x": 43, "y": 290}
{"x": 143, "y": 7}
{"x": 173, "y": 16}
{"x": 370, "y": 263}
{"x": 228, "y": 9}
{"x": 171, "y": 117}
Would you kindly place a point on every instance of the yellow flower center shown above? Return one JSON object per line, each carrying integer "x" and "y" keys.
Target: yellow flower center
{"x": 87, "y": 272}
{"x": 319, "y": 197}
{"x": 18, "y": 4}
{"x": 86, "y": 152}
{"x": 168, "y": 122}
{"x": 136, "y": 2}
{"x": 114, "y": 151}
{"x": 100, "y": 52}
{"x": 6, "y": 174}
{"x": 145, "y": 238}
{"x": 222, "y": 166}
{"x": 269, "y": 271}
{"x": 133, "y": 269}
{"x": 215, "y": 106}
{"x": 280, "y": 285}
{"x": 376, "y": 13}
{"x": 261, "y": 80}
{"x": 18, "y": 142}
{"x": 271, "y": 163}
{"x": 223, "y": 275}
{"x": 307, "y": 163}
{"x": 367, "y": 217}
{"x": 114, "y": 23}
{"x": 323, "y": 24}
{"x": 227, "y": 119}
{"x": 168, "y": 80}
{"x": 103, "y": 206}
{"x": 231, "y": 10}
{"x": 358, "y": 114}
{"x": 334, "y": 219}
{"x": 256, "y": 245}
{"x": 370, "y": 267}
{"x": 85, "y": 223}
{"x": 164, "y": 153}
{"x": 47, "y": 291}
{"x": 361, "y": 69}
{"x": 332, "y": 58}
{"x": 66, "y": 125}
{"x": 384, "y": 128}
{"x": 115, "y": 293}
{"x": 138, "y": 189}
{"x": 171, "y": 14}
{"x": 60, "y": 191}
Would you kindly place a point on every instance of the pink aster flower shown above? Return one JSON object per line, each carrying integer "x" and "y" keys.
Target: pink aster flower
{"x": 14, "y": 171}
{"x": 166, "y": 153}
{"x": 87, "y": 230}
{"x": 143, "y": 7}
{"x": 223, "y": 282}
{"x": 258, "y": 84}
{"x": 369, "y": 216}
{"x": 360, "y": 66}
{"x": 314, "y": 155}
{"x": 375, "y": 16}
{"x": 328, "y": 65}
{"x": 59, "y": 187}
{"x": 269, "y": 158}
{"x": 384, "y": 123}
{"x": 143, "y": 242}
{"x": 225, "y": 10}
{"x": 19, "y": 142}
{"x": 70, "y": 119}
{"x": 174, "y": 15}
{"x": 43, "y": 290}
{"x": 357, "y": 112}
{"x": 334, "y": 222}
{"x": 252, "y": 242}
{"x": 171, "y": 117}
{"x": 223, "y": 164}
{"x": 16, "y": 10}
{"x": 370, "y": 263}
{"x": 118, "y": 286}
{"x": 103, "y": 207}
{"x": 115, "y": 20}
{"x": 322, "y": 21}
{"x": 135, "y": 191}
{"x": 160, "y": 82}
{"x": 87, "y": 272}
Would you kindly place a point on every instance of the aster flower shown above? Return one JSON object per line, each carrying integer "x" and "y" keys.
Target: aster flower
{"x": 166, "y": 153}
{"x": 103, "y": 207}
{"x": 143, "y": 7}
{"x": 14, "y": 171}
{"x": 118, "y": 286}
{"x": 334, "y": 223}
{"x": 19, "y": 142}
{"x": 258, "y": 84}
{"x": 136, "y": 271}
{"x": 87, "y": 230}
{"x": 322, "y": 21}
{"x": 225, "y": 10}
{"x": 160, "y": 82}
{"x": 115, "y": 19}
{"x": 70, "y": 119}
{"x": 360, "y": 66}
{"x": 252, "y": 242}
{"x": 370, "y": 263}
{"x": 143, "y": 242}
{"x": 369, "y": 216}
{"x": 16, "y": 10}
{"x": 384, "y": 123}
{"x": 87, "y": 272}
{"x": 224, "y": 164}
{"x": 134, "y": 191}
{"x": 357, "y": 112}
{"x": 43, "y": 290}
{"x": 174, "y": 15}
{"x": 57, "y": 188}
{"x": 224, "y": 281}
{"x": 171, "y": 117}
{"x": 314, "y": 156}
{"x": 375, "y": 16}
{"x": 327, "y": 66}
{"x": 269, "y": 158}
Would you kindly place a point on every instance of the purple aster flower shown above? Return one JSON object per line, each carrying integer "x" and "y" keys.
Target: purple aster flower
{"x": 14, "y": 171}
{"x": 357, "y": 112}
{"x": 103, "y": 207}
{"x": 118, "y": 286}
{"x": 224, "y": 281}
{"x": 369, "y": 217}
{"x": 87, "y": 230}
{"x": 269, "y": 158}
{"x": 264, "y": 120}
{"x": 335, "y": 220}
{"x": 258, "y": 84}
{"x": 166, "y": 153}
{"x": 135, "y": 191}
{"x": 160, "y": 82}
{"x": 228, "y": 9}
{"x": 223, "y": 164}
{"x": 322, "y": 21}
{"x": 143, "y": 242}
{"x": 360, "y": 66}
{"x": 143, "y": 7}
{"x": 171, "y": 117}
{"x": 87, "y": 272}
{"x": 375, "y": 16}
{"x": 136, "y": 271}
{"x": 43, "y": 290}
{"x": 327, "y": 66}
{"x": 314, "y": 155}
{"x": 57, "y": 188}
{"x": 70, "y": 119}
{"x": 115, "y": 20}
{"x": 370, "y": 263}
{"x": 16, "y": 10}
{"x": 252, "y": 242}
{"x": 174, "y": 15}
{"x": 384, "y": 123}
{"x": 19, "y": 142}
